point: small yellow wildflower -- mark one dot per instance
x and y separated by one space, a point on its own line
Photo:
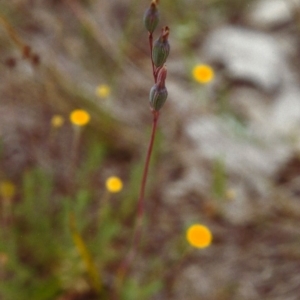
57 121
79 117
3 259
199 236
203 73
114 184
103 90
7 189
230 194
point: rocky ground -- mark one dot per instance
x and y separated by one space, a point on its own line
230 150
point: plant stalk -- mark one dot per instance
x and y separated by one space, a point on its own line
140 208
125 265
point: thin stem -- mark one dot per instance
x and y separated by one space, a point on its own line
140 208
12 33
144 179
123 269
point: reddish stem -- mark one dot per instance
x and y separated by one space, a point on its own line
144 179
123 269
140 208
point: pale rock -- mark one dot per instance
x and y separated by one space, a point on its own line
284 117
271 13
247 55
250 163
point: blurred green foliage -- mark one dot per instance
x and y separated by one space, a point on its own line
57 243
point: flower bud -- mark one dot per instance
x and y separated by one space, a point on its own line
161 48
158 93
151 17
157 97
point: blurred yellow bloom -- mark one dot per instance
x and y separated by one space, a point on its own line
7 189
199 236
3 259
114 184
203 73
103 90
57 121
79 117
230 194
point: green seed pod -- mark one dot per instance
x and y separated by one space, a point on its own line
161 48
158 93
151 17
157 97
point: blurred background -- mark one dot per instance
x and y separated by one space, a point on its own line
226 155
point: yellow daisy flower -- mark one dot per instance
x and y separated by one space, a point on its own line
3 259
79 117
230 194
114 184
57 121
103 91
7 189
203 73
199 236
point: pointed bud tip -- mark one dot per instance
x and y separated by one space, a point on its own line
153 5
165 33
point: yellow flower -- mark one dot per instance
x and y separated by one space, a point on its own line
114 184
203 73
230 194
3 259
103 90
79 117
7 189
57 121
199 236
